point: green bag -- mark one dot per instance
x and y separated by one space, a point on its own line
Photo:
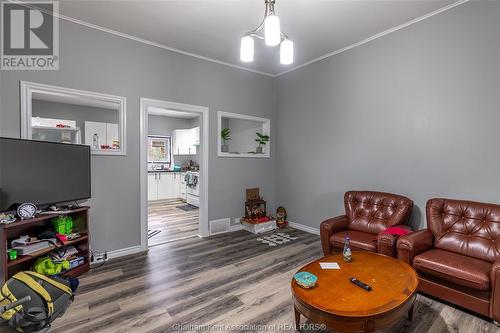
63 225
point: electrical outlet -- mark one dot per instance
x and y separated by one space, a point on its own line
99 257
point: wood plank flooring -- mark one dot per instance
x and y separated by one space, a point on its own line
229 279
173 222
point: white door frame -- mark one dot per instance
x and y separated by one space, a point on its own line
203 182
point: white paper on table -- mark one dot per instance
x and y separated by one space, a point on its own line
329 265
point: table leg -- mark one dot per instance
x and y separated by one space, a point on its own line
410 313
297 319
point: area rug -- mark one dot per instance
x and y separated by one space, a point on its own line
154 232
276 239
186 207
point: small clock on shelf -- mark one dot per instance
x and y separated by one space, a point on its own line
26 211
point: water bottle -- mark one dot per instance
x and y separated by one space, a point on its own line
95 141
347 250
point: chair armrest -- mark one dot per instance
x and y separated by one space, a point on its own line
328 228
495 291
386 243
411 245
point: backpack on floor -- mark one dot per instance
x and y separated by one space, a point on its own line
50 297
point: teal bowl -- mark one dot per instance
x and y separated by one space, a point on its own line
305 279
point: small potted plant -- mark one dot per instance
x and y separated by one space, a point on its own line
262 139
225 134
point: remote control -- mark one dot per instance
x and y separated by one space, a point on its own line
360 284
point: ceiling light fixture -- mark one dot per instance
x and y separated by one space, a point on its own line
273 36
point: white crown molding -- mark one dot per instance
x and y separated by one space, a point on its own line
141 40
381 34
330 54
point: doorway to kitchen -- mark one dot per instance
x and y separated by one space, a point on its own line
174 171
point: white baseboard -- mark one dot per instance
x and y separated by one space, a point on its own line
236 227
124 252
137 249
303 227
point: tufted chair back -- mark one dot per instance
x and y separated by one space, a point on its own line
466 227
373 212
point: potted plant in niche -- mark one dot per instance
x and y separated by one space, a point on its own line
262 139
225 135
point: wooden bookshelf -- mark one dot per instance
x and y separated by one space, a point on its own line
21 259
33 227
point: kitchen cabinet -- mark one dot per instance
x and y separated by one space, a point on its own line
152 186
195 134
112 134
105 134
177 185
182 142
183 187
45 129
164 185
186 141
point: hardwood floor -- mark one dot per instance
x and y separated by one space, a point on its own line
230 279
173 222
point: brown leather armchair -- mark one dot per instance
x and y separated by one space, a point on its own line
367 213
458 256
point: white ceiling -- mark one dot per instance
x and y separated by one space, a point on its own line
213 28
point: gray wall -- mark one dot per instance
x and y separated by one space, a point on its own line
415 112
243 135
164 125
97 61
79 113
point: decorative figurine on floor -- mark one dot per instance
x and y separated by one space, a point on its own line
255 207
256 219
281 217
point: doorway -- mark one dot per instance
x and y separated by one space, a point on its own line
174 171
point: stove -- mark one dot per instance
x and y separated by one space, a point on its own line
193 188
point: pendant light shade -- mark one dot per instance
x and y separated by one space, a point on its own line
246 49
286 52
272 31
268 30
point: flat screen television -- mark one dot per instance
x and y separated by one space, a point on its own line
42 173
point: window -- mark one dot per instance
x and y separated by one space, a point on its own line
160 149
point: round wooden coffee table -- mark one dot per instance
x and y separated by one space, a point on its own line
342 306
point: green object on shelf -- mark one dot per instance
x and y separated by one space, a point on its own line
44 265
12 254
63 225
